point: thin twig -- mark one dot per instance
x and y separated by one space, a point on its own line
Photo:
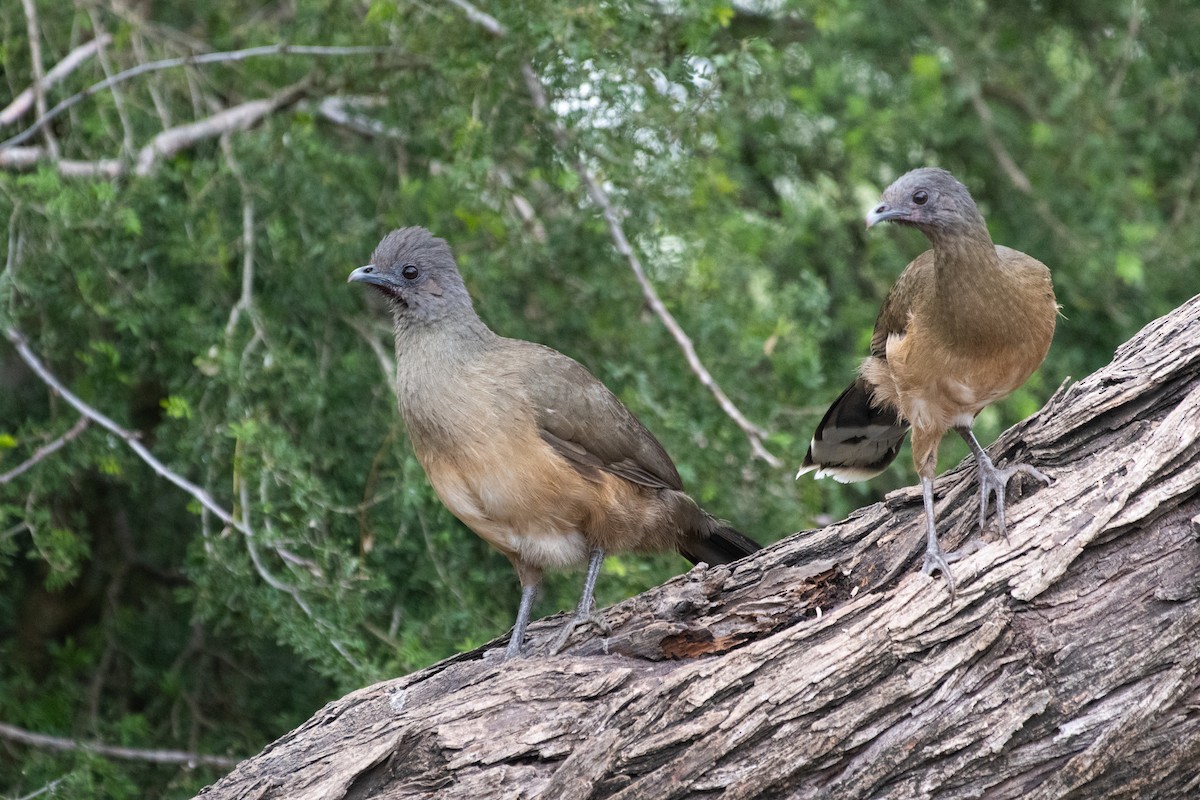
117 96
988 123
25 100
984 112
387 360
46 450
481 18
204 498
181 61
276 583
1009 165
35 55
616 231
1128 54
15 734
49 787
160 105
246 301
129 437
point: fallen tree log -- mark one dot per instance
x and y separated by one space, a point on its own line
1068 665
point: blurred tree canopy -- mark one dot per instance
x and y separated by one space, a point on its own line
177 243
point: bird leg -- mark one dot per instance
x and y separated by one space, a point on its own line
935 557
993 481
584 612
529 593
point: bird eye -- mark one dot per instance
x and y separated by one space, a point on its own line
410 272
920 197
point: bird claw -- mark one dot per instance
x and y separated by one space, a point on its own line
572 625
993 482
939 560
513 650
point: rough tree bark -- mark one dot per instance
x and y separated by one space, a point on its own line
828 666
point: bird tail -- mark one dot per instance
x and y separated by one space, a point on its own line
717 542
856 439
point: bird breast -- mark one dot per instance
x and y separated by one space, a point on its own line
938 385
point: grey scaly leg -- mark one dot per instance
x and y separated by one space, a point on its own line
935 557
528 595
587 602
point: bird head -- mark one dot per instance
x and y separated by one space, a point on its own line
929 199
415 270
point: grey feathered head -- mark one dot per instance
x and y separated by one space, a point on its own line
930 199
415 270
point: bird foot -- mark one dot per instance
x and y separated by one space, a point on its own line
570 627
993 482
513 650
938 559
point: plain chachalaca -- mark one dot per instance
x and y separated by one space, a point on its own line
964 325
524 445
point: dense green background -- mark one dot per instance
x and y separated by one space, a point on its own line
743 141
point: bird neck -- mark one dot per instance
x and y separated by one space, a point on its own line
435 362
966 242
972 297
453 338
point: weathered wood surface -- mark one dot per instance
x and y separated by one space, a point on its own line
1067 666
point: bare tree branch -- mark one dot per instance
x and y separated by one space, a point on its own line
164 145
15 734
170 63
49 787
988 122
23 158
25 100
828 666
129 437
984 112
246 300
202 496
338 111
481 18
612 218
1010 168
237 118
35 55
46 450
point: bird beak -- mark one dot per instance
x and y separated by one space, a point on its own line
367 274
882 213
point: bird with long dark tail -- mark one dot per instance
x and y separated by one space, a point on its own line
965 324
524 445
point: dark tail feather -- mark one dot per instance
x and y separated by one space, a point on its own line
856 439
718 544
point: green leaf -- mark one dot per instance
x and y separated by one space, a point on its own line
1129 268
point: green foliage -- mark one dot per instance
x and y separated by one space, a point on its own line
743 148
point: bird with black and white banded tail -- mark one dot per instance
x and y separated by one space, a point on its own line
965 324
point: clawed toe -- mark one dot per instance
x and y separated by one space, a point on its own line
993 483
571 626
939 560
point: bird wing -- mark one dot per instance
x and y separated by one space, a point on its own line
893 316
588 426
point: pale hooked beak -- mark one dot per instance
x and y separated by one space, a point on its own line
368 274
882 213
